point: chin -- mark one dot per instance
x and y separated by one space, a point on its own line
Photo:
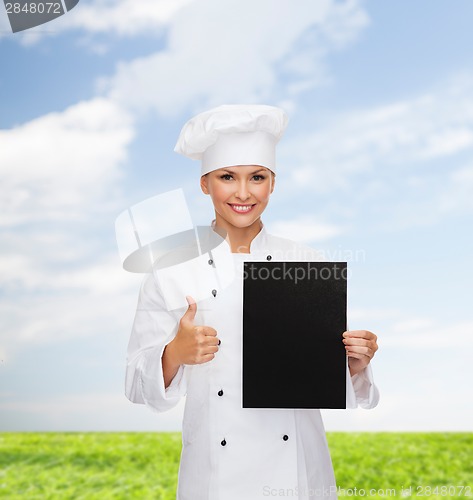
242 224
239 221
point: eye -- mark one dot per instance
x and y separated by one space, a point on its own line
259 177
226 177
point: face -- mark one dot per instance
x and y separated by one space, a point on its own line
239 194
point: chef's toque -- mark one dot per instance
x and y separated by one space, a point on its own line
233 134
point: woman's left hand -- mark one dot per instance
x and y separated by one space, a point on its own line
360 346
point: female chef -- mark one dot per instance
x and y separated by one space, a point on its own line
230 452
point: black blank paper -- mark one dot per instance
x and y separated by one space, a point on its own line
294 314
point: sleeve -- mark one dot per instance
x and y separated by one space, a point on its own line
153 328
361 390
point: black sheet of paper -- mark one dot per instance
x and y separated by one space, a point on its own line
294 314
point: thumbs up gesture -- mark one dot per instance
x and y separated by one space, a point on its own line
192 344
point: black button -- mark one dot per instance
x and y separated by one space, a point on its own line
219 341
268 257
223 443
211 261
220 392
285 437
214 292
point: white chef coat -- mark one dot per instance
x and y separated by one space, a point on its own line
230 452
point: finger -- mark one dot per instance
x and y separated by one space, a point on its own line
208 340
365 351
209 331
189 315
210 349
205 340
364 334
205 358
357 355
205 343
360 334
354 342
350 341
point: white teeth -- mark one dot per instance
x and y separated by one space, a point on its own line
242 208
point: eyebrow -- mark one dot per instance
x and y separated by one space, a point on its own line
252 173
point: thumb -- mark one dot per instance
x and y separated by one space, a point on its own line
191 310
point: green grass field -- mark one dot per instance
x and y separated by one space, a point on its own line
144 465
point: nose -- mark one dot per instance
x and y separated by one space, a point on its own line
243 193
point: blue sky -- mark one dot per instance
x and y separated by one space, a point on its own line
377 159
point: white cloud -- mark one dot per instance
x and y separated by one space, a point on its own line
363 315
58 175
52 166
424 334
413 332
463 175
234 51
401 165
122 17
99 276
217 29
441 194
51 304
455 196
397 136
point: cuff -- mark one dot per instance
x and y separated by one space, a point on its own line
155 395
361 390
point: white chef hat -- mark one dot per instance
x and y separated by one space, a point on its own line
233 134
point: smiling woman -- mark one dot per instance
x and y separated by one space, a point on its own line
230 452
239 195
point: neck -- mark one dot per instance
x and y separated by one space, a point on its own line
239 238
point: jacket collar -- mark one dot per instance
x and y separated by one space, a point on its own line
259 242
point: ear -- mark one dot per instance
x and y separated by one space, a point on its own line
273 181
203 184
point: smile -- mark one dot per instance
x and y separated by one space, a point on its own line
241 209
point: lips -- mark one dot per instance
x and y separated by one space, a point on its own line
241 209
